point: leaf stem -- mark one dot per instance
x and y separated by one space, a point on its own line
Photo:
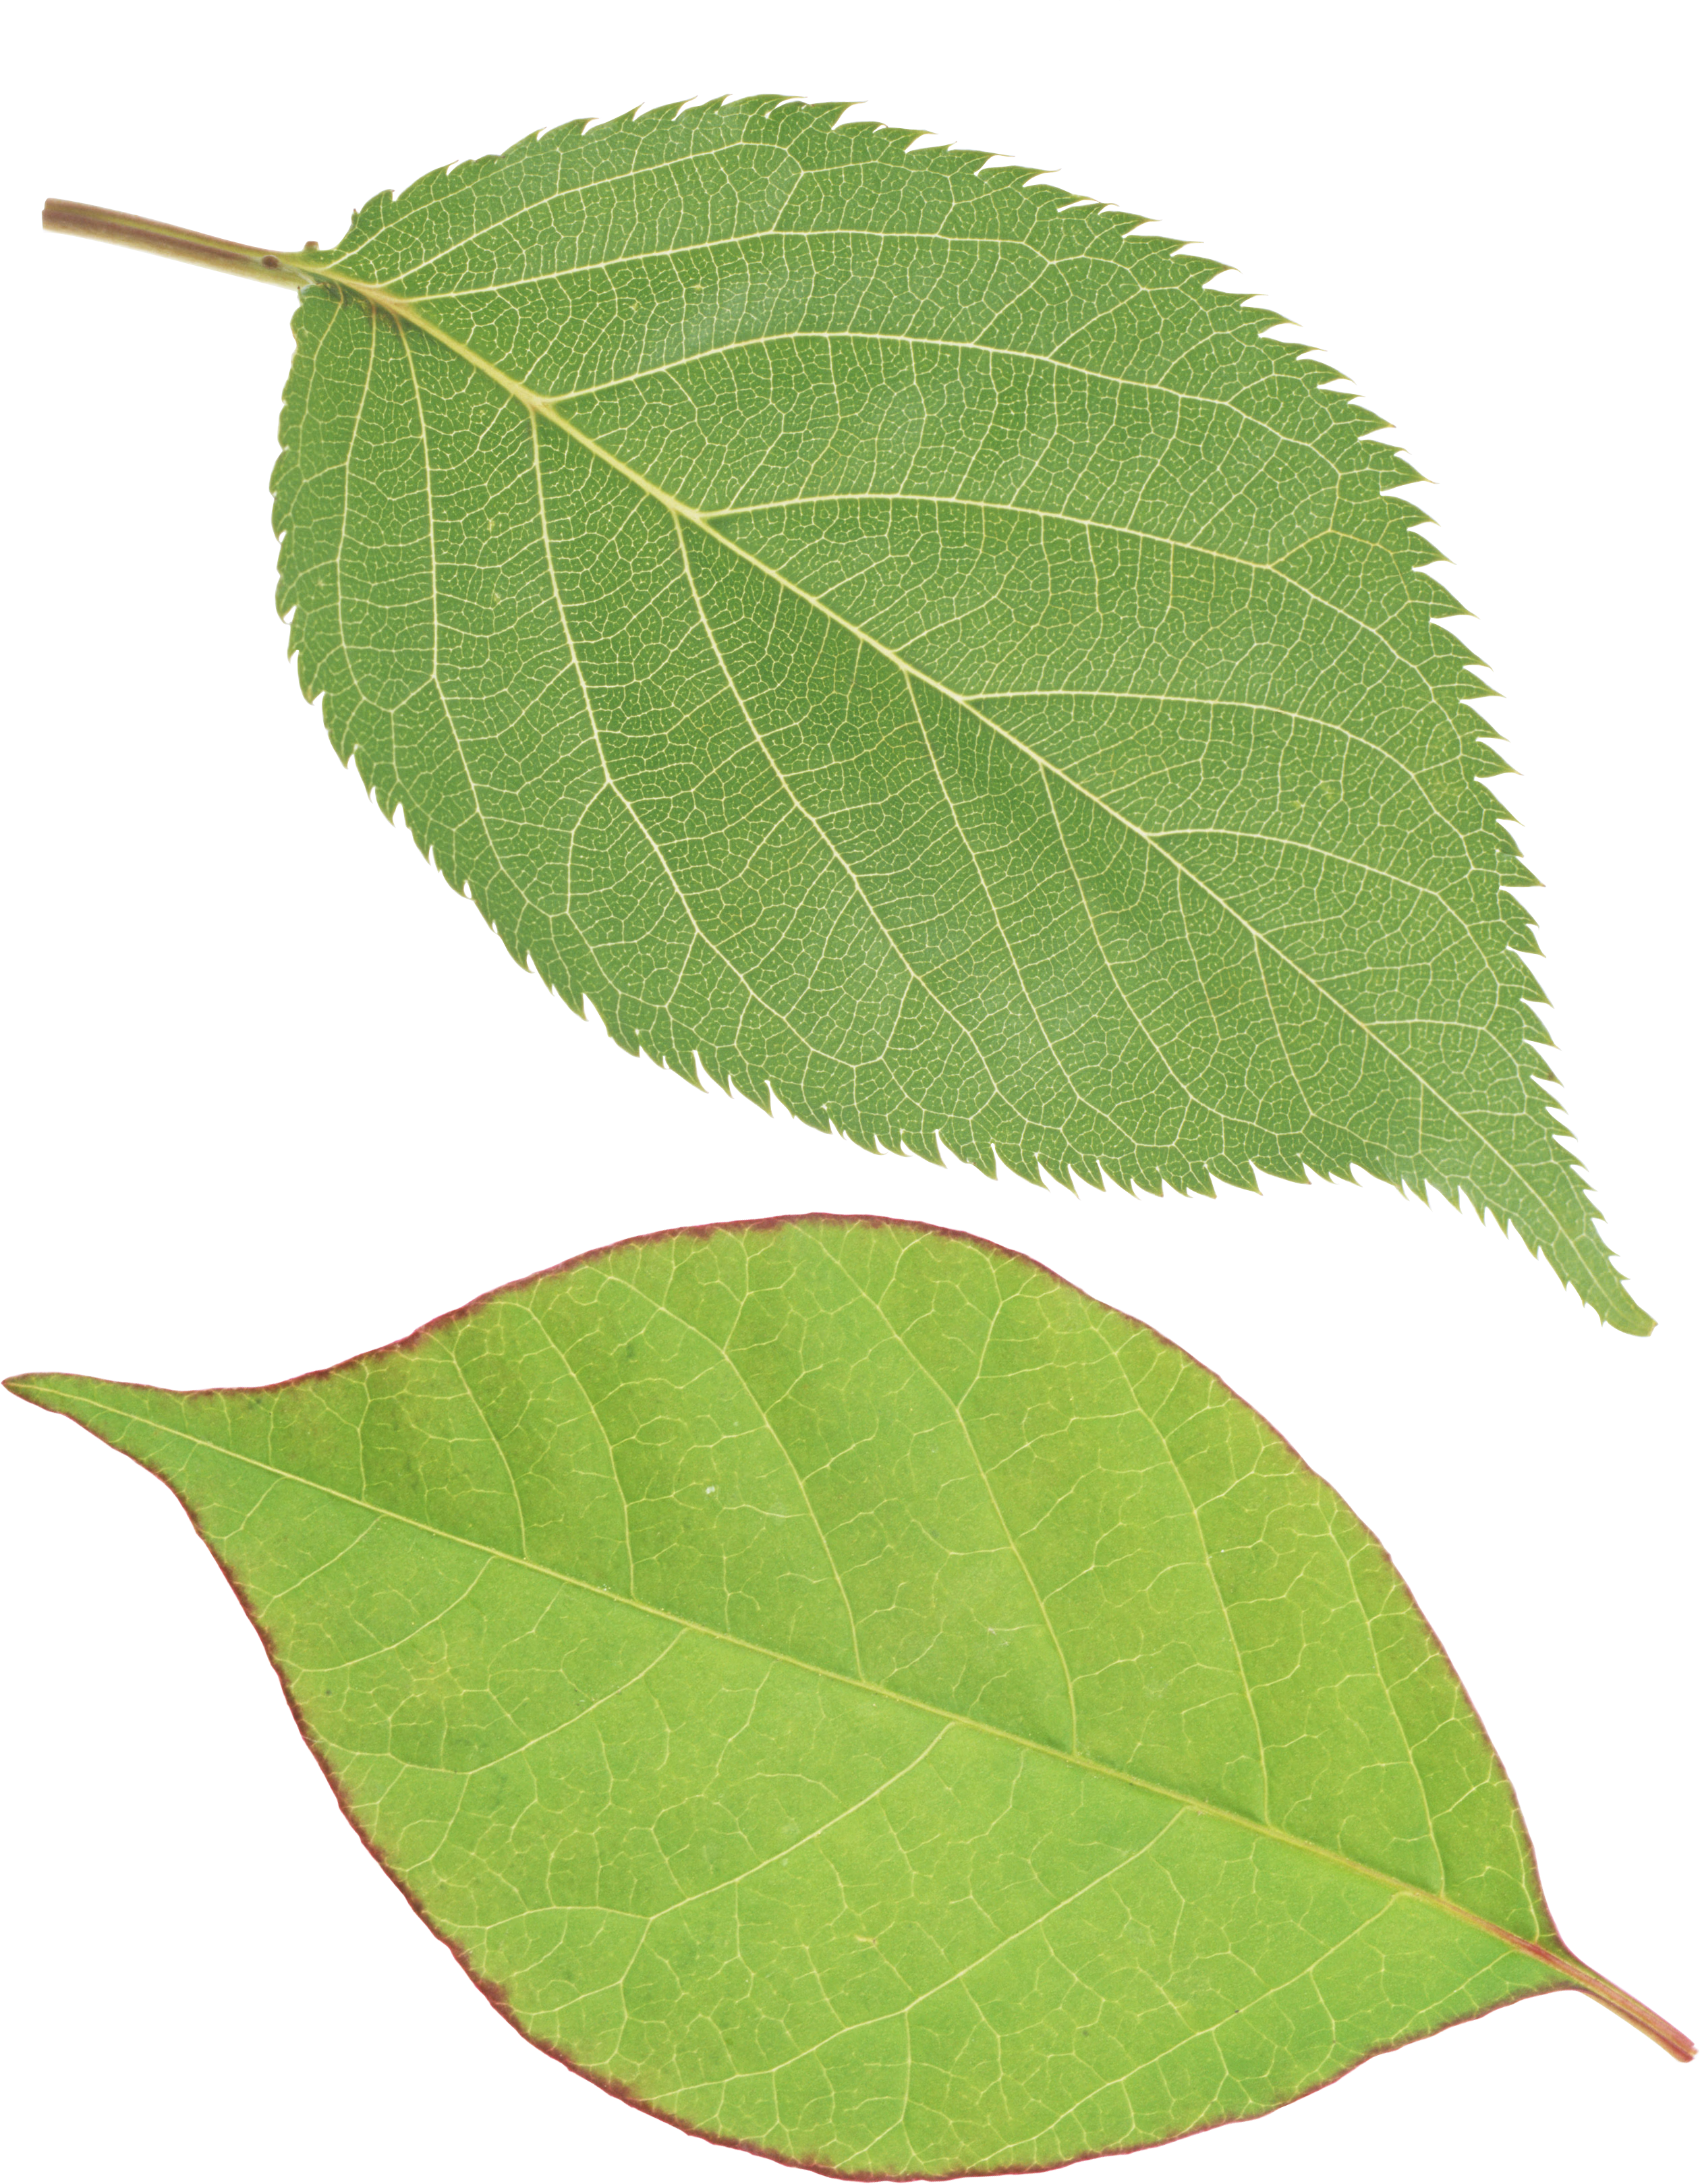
1658 2029
61 217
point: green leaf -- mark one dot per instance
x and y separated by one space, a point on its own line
894 639
864 1700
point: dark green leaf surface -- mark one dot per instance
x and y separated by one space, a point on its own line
865 1700
893 639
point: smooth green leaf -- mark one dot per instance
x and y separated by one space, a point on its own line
863 1699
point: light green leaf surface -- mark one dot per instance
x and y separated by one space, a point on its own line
892 639
865 1700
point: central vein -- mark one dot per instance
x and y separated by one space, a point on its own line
1570 1967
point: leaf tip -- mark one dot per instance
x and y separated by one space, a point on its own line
47 1391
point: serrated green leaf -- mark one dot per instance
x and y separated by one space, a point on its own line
893 638
867 1701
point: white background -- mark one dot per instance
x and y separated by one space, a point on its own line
275 1095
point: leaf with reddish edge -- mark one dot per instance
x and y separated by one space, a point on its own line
852 1694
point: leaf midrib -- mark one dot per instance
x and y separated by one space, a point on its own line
1578 1974
402 309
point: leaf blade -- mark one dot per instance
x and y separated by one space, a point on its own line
586 1709
1016 719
